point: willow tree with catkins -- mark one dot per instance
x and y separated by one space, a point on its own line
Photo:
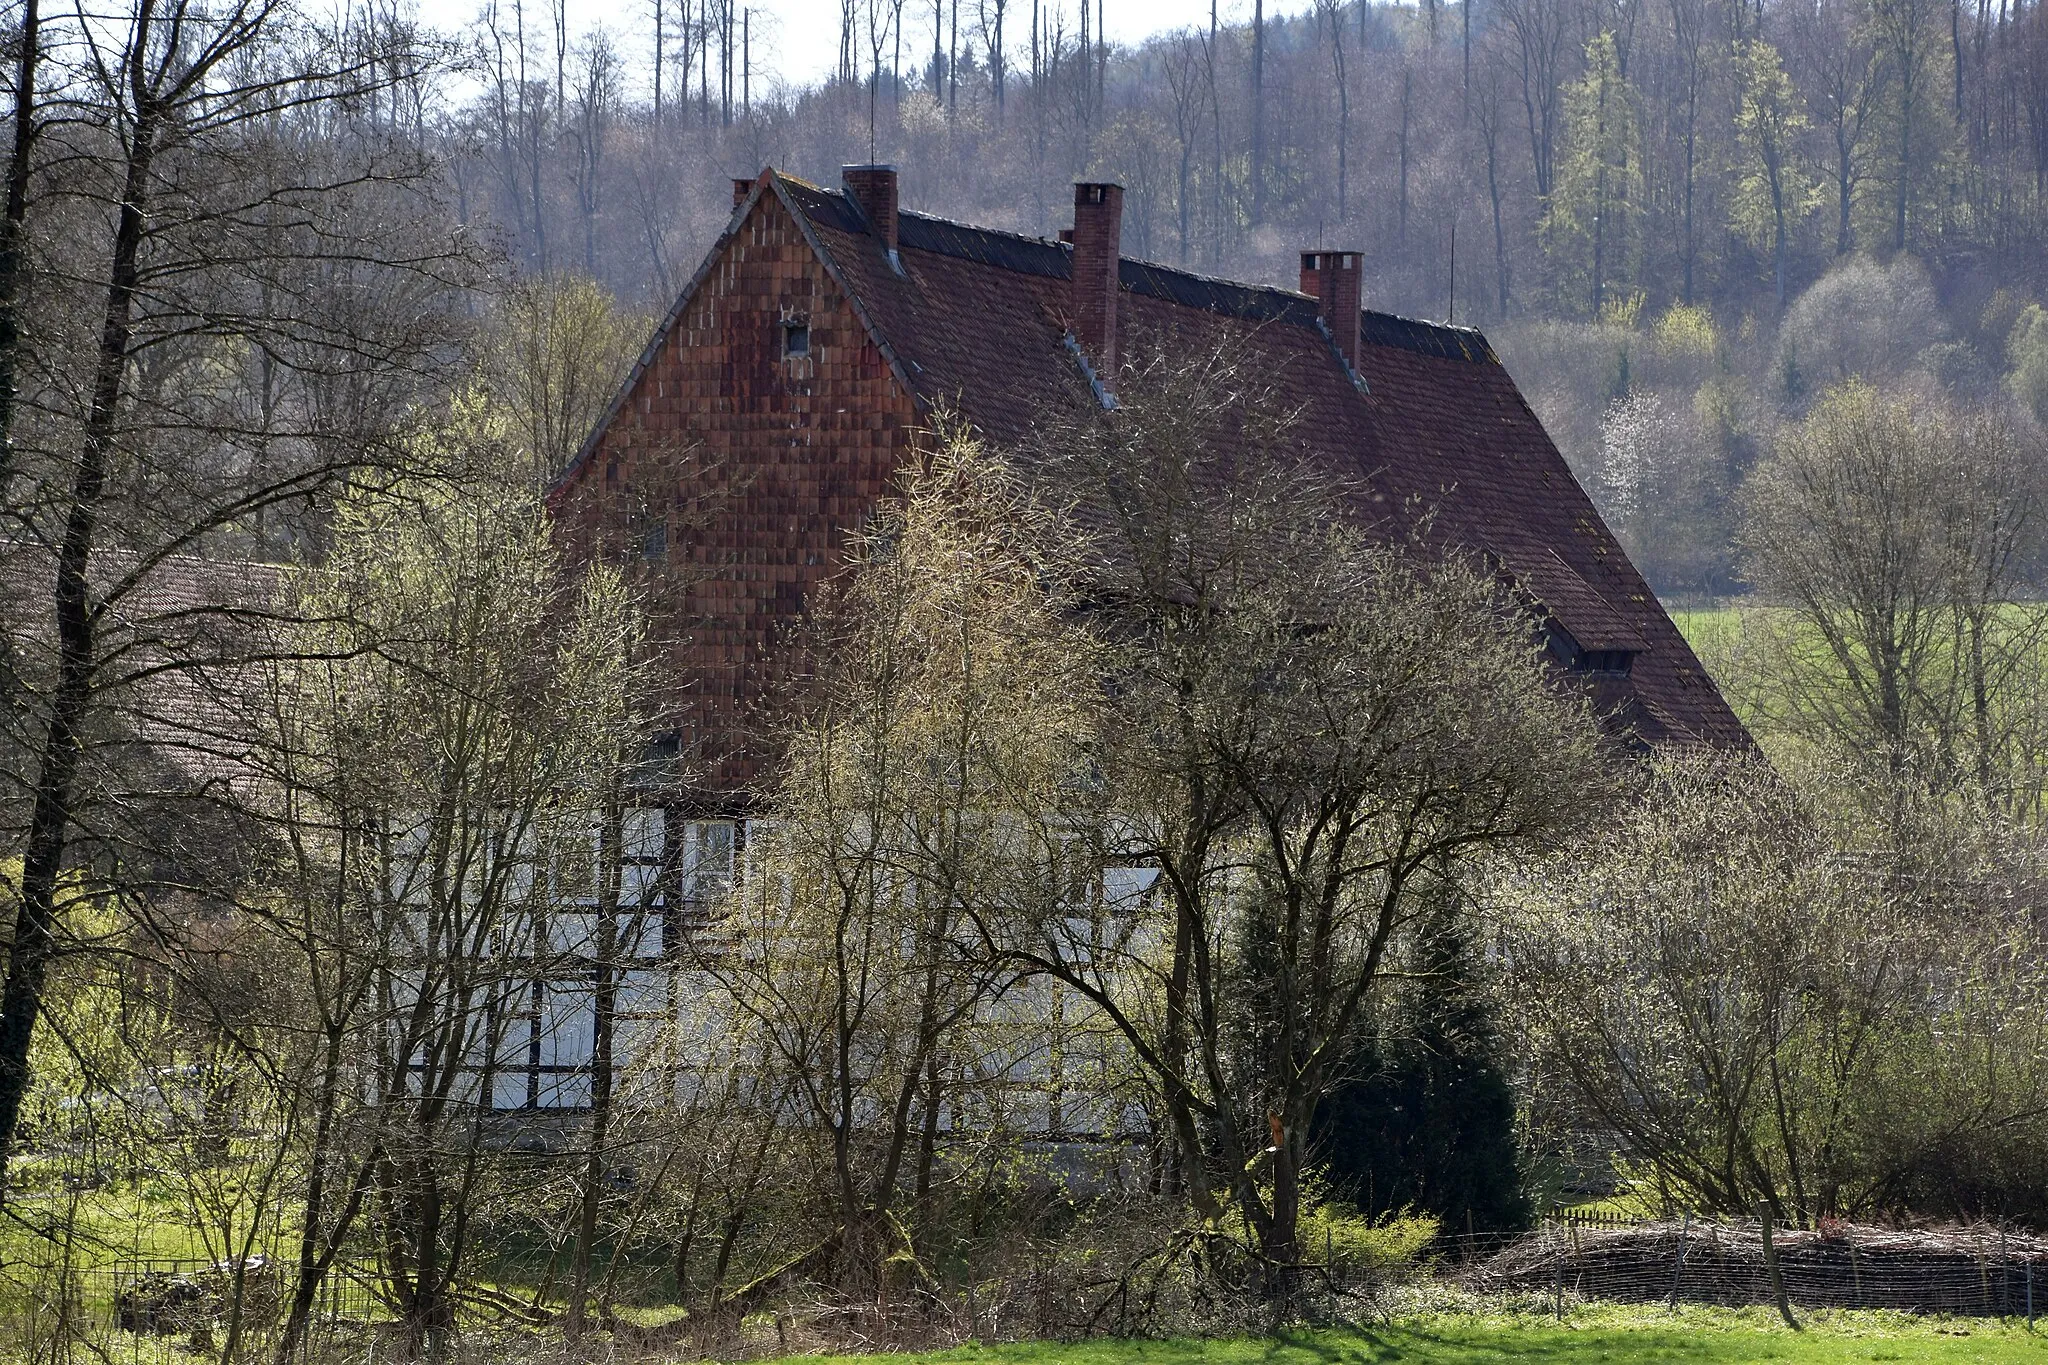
925 779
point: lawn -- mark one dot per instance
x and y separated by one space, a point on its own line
1587 1333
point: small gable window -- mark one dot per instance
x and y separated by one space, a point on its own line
796 338
1579 659
644 534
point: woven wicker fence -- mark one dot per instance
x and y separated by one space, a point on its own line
1980 1270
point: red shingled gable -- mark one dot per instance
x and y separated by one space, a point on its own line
975 320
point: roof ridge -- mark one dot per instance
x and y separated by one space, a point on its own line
1278 293
1034 239
942 219
1251 286
1466 328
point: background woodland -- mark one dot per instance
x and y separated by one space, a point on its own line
1678 220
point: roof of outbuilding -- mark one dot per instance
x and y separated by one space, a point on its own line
976 320
181 644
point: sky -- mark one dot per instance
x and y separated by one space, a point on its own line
798 40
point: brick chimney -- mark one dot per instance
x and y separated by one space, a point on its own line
1333 279
1098 235
873 190
742 186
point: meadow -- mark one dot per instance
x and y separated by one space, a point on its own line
1604 1333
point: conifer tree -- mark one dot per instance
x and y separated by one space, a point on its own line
1428 1121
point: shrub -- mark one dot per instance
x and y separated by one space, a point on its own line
1861 318
1686 330
2027 351
1359 1247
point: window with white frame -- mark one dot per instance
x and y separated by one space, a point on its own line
705 850
563 946
669 869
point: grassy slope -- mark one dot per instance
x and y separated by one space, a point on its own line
1587 1334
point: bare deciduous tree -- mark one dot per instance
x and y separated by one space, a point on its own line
245 312
1896 531
1311 736
554 357
1759 1017
954 705
446 743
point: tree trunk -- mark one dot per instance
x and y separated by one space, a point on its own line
1465 90
1778 230
1905 168
1215 145
1187 151
1407 86
1692 105
1842 191
1500 241
313 1210
1343 118
12 225
927 1149
1258 112
35 924
600 1073
1955 33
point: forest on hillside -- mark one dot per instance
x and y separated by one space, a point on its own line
1679 221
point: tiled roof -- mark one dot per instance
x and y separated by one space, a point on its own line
178 664
976 320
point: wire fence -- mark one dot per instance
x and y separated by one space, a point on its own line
163 1309
1975 1270
160 1311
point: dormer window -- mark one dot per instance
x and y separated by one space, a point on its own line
661 758
1612 661
796 338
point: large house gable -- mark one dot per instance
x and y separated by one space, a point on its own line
754 436
770 184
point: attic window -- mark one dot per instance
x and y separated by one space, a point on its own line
661 759
1616 661
796 338
654 541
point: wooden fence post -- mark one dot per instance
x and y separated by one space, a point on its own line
1684 1229
1558 1266
1330 1267
1855 1267
1763 1215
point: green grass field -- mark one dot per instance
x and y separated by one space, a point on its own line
1701 625
1597 1333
